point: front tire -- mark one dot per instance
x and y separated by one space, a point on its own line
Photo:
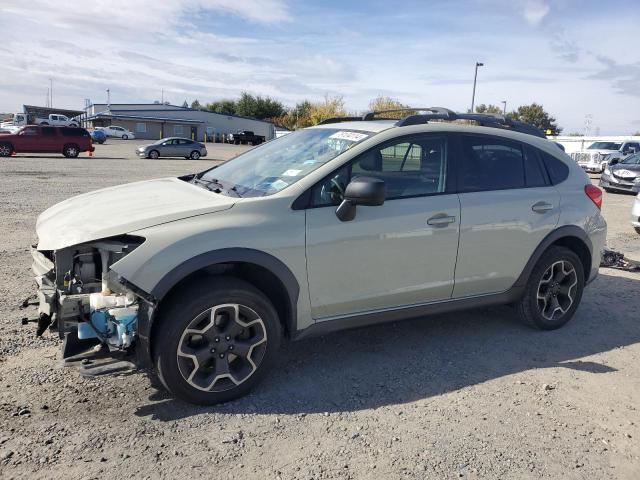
154 154
218 338
125 137
71 151
554 289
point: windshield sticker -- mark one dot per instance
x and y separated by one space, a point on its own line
309 162
279 184
291 173
350 136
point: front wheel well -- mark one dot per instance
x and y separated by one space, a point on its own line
260 277
579 248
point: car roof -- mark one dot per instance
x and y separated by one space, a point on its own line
379 126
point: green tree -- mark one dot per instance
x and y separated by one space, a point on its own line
536 115
195 104
482 108
185 104
259 107
225 106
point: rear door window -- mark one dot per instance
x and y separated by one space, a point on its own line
490 163
48 131
534 173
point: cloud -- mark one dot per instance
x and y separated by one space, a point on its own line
534 11
624 78
564 48
132 17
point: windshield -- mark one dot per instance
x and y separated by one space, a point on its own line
604 146
632 160
279 163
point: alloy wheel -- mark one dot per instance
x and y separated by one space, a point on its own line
222 347
5 150
556 290
195 155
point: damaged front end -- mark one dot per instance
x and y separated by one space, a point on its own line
95 311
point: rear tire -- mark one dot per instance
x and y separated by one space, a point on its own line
71 151
195 155
553 291
637 229
207 361
5 149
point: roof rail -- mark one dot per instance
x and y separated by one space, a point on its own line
494 120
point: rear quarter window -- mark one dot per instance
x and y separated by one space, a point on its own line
74 132
558 171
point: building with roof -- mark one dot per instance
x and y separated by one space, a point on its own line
154 121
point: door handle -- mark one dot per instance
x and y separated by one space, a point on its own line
542 207
441 220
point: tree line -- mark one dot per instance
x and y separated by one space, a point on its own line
307 113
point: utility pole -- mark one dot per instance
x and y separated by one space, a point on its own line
51 92
504 107
108 99
475 78
162 96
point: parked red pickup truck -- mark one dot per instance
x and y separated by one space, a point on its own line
69 141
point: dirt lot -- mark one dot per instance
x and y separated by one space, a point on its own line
471 395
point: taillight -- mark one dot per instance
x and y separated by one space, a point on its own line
595 194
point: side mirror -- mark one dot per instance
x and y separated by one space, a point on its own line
366 191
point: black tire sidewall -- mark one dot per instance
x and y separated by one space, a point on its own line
530 301
65 151
183 308
194 155
151 154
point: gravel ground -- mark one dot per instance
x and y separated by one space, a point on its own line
470 395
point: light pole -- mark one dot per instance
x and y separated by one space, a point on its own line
475 77
504 107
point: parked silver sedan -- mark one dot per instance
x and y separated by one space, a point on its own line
173 147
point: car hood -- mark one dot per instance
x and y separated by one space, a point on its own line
122 209
620 166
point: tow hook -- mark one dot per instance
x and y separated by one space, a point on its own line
43 322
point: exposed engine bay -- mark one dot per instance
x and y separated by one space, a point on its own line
81 297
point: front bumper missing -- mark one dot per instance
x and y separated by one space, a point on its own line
62 310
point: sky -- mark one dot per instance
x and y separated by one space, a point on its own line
577 58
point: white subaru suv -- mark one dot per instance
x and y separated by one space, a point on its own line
345 224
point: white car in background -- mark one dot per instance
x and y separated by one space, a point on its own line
600 154
119 132
635 214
